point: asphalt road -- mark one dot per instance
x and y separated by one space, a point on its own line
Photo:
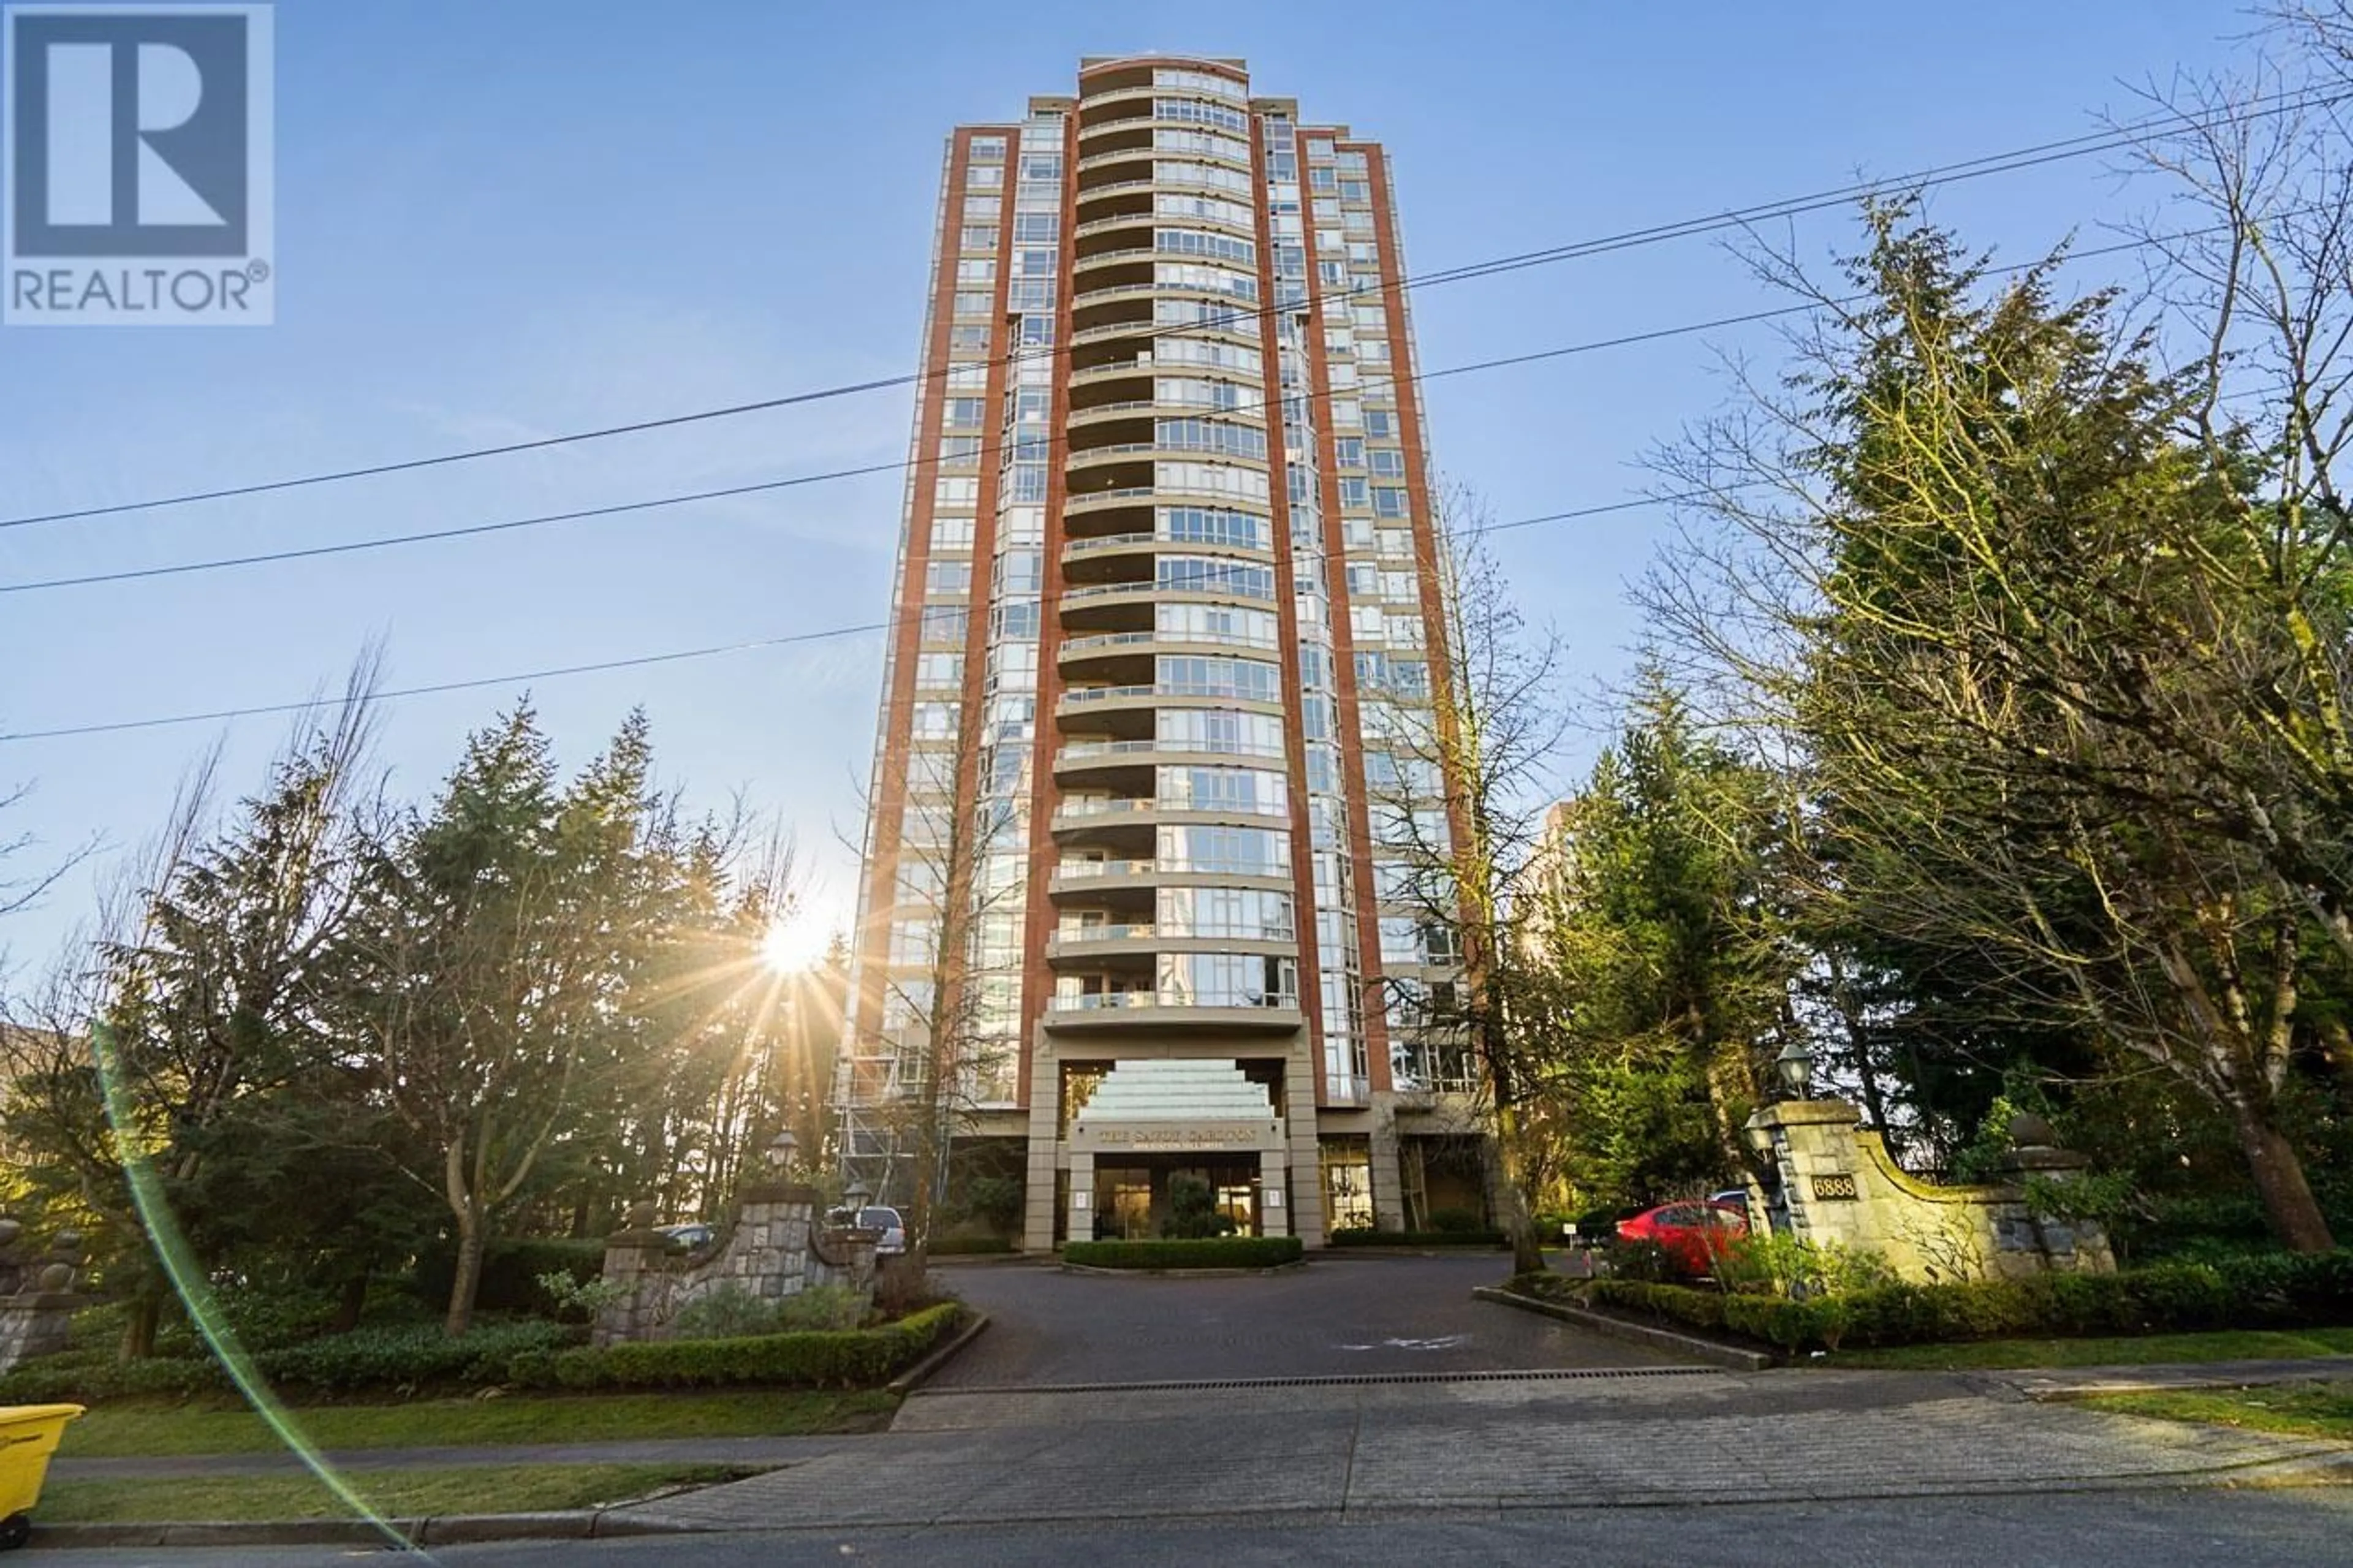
2291 1529
1339 1316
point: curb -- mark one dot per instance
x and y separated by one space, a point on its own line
445 1530
2043 1385
1295 1264
915 1376
1733 1358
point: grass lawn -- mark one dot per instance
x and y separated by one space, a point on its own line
2305 1410
505 1489
2244 1344
113 1431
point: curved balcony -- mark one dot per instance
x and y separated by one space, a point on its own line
1109 156
1095 596
1136 945
1141 327
1097 560
1110 499
1113 369
1131 253
1132 451
1082 756
1132 882
1145 1010
1124 96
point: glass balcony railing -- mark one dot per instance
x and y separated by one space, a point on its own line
1116 1001
1078 750
1085 933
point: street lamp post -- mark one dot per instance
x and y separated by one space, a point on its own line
1795 1068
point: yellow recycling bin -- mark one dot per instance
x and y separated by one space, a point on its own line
28 1435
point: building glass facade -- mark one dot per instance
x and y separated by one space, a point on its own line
1166 595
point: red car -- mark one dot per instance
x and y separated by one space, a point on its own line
1693 1234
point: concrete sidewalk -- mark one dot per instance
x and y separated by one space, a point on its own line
1423 1445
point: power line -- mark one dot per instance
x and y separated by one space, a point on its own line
616 508
677 655
262 710
1973 168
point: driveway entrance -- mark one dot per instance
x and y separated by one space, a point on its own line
1339 1315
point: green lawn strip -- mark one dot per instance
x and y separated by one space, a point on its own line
2293 1411
2137 1349
122 1430
503 1489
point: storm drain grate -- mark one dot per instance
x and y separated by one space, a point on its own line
1331 1380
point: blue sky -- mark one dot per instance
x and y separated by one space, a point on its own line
498 221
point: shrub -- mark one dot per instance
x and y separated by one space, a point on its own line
901 1288
1796 1268
1364 1236
995 1201
576 1300
728 1312
409 1357
1215 1252
1456 1220
850 1358
731 1312
1644 1262
1193 1210
2175 1298
366 1359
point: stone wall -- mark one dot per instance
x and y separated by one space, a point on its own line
1836 1183
774 1247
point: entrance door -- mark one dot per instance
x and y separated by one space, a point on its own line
1131 1205
1239 1203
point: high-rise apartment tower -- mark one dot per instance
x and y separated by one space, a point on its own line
1167 595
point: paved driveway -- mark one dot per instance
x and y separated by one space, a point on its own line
1335 1316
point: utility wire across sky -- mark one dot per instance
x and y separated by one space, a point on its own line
676 655
686 498
2115 139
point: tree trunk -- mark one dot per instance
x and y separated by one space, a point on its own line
2288 1203
352 1303
139 1327
1504 1181
469 1279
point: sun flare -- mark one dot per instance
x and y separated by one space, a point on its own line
796 942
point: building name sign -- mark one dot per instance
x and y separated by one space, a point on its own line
1178 1138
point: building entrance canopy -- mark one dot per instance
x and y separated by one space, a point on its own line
1171 1106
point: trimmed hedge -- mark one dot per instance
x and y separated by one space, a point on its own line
524 1354
848 1358
1213 1252
410 1356
1418 1238
2263 1290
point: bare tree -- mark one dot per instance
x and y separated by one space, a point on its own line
939 1027
1460 805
